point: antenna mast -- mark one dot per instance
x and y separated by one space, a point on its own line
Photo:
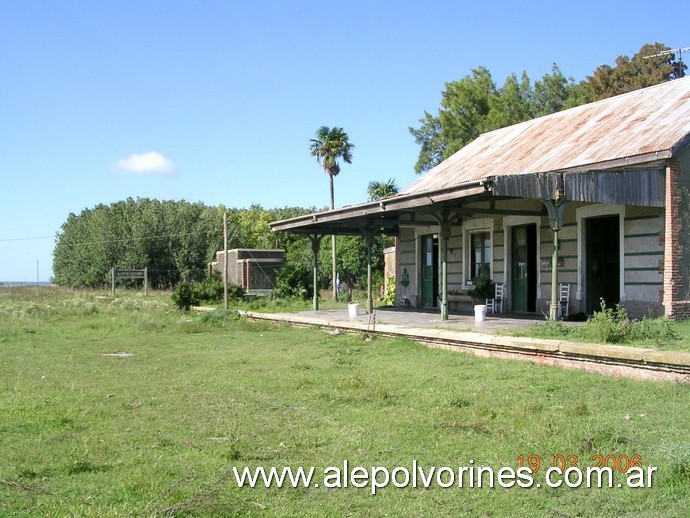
672 51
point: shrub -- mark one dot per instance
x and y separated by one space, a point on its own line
184 296
188 294
660 330
294 280
552 329
389 297
610 325
235 292
210 289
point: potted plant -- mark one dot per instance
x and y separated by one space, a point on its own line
483 289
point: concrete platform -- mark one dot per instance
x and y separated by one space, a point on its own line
431 319
463 333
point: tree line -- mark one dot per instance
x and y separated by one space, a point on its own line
176 240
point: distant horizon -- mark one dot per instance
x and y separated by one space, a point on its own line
25 283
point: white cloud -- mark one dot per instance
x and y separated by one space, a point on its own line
149 163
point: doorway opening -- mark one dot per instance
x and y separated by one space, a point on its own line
429 262
524 268
602 256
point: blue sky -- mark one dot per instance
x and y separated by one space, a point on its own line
216 101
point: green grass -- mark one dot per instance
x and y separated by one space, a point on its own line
272 305
659 333
157 433
294 304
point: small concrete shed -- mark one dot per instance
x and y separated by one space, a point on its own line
253 269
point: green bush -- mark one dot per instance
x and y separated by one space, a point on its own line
552 329
294 280
610 325
389 297
210 289
184 296
660 330
235 292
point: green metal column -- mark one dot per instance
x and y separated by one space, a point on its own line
444 271
315 246
553 309
369 240
335 273
370 289
555 207
444 219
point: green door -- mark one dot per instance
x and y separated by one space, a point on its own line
429 271
524 268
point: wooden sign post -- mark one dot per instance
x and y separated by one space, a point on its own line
131 274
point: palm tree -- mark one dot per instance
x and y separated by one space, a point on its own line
330 145
380 190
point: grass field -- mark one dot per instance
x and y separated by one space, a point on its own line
158 433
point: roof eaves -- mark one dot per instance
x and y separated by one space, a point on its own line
627 161
681 145
380 207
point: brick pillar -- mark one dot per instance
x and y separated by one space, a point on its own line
673 250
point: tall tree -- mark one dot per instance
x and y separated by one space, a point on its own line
463 116
329 146
652 65
554 93
379 190
513 104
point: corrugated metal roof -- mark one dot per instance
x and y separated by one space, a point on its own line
644 122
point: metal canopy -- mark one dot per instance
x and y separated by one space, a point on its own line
642 187
383 216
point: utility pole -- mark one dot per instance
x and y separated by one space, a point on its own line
225 260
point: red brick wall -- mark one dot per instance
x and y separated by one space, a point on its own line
676 304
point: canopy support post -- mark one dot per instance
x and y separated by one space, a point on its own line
445 220
369 239
555 207
315 247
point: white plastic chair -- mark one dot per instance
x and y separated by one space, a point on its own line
563 301
496 304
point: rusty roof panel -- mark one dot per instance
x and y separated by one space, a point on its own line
644 122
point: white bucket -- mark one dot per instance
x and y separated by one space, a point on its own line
479 312
352 308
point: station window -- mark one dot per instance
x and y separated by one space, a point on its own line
480 254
